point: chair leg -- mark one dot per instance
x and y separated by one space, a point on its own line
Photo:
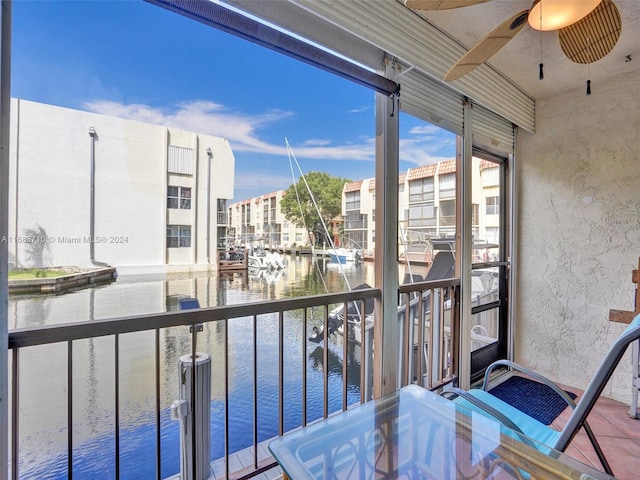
596 447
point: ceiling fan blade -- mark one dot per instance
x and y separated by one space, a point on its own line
594 36
440 4
489 45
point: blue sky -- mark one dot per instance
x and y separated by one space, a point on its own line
135 60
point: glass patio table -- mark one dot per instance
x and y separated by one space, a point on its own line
416 434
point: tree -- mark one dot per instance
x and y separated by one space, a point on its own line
298 206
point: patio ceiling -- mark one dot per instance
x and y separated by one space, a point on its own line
364 30
519 59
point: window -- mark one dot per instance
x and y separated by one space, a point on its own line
356 238
222 211
421 190
179 197
273 209
354 220
180 160
492 234
246 218
490 176
422 214
178 236
352 200
493 205
447 213
448 182
421 209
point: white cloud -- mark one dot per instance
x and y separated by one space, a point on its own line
202 116
241 129
359 110
425 130
316 142
425 151
424 145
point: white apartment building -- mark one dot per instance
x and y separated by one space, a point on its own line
90 189
258 221
427 209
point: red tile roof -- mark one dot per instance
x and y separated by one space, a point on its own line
353 186
485 164
423 171
448 166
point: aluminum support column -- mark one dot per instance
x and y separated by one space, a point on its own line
464 247
512 259
5 101
386 327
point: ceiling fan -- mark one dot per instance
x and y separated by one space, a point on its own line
587 29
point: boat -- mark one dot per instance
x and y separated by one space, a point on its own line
484 285
336 316
261 259
344 255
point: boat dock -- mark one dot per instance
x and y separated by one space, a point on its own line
230 261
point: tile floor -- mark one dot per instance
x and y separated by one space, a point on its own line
617 433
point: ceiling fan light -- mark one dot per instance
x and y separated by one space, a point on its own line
549 15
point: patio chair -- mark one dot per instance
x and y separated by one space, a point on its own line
481 400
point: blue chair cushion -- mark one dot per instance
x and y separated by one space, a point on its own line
531 427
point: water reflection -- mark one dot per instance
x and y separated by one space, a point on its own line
43 379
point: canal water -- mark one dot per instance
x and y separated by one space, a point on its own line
43 383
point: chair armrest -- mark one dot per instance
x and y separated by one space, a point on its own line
502 418
536 376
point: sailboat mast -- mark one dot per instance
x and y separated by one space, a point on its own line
313 200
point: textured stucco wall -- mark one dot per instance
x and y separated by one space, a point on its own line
579 231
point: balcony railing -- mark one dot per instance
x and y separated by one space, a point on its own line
427 326
429 315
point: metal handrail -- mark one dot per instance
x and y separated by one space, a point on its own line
428 285
28 337
68 333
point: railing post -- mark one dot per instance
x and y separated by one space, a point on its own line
437 322
635 387
183 410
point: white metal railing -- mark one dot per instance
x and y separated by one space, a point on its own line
71 336
429 316
439 304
